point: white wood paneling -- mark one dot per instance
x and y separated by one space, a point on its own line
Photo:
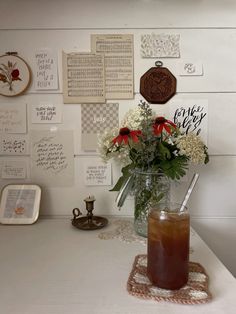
207 31
213 47
220 235
113 13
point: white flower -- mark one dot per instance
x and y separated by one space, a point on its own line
104 143
192 146
133 119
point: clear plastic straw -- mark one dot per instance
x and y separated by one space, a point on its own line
189 191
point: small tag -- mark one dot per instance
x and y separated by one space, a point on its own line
190 68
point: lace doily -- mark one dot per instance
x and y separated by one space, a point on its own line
124 231
194 292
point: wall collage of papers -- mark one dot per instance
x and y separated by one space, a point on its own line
96 81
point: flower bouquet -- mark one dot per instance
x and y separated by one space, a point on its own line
147 144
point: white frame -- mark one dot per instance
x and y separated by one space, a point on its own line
32 205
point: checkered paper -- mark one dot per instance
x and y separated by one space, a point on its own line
94 119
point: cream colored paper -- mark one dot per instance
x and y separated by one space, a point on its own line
83 78
13 118
119 70
52 157
13 169
13 144
94 119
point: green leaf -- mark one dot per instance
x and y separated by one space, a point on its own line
125 175
175 168
164 151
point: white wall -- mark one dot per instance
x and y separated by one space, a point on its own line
208 33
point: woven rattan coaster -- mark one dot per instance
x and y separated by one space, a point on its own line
194 292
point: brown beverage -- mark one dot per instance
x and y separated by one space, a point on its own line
168 247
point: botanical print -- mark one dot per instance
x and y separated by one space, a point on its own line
9 73
160 46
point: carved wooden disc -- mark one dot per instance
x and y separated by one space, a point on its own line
158 85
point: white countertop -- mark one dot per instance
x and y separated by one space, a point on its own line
53 268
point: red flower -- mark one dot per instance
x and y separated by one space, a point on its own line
125 134
162 123
15 73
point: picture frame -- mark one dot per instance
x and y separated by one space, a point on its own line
20 203
15 75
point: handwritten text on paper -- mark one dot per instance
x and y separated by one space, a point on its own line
46 70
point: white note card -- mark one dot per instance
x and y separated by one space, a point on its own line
97 173
52 157
13 169
13 144
190 68
191 116
46 74
46 112
13 118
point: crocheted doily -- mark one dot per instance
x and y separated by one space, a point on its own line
123 229
194 292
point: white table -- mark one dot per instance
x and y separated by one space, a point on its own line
53 268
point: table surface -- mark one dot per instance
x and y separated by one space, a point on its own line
53 268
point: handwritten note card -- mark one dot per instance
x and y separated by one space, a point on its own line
97 173
190 68
52 157
46 70
13 144
13 118
13 169
191 116
46 112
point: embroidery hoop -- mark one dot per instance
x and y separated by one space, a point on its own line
15 75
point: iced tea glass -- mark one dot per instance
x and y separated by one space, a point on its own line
168 246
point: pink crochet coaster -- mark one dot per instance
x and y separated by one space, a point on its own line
194 292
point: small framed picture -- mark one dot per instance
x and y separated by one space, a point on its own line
15 75
20 204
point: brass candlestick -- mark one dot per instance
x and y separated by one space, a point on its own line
88 222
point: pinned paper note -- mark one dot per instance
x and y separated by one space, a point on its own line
46 112
13 169
97 173
94 119
190 68
53 157
13 118
13 144
46 77
191 116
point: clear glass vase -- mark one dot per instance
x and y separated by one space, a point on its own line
149 188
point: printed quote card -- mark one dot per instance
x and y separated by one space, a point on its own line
97 173
13 169
46 76
191 68
46 112
53 157
13 144
94 119
190 116
13 118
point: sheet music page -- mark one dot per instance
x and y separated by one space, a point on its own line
119 70
83 78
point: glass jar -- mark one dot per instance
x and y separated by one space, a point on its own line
168 246
149 188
